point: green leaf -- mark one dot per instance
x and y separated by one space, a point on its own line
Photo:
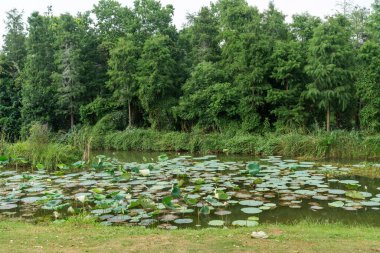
40 166
163 158
355 195
167 201
221 195
176 191
205 210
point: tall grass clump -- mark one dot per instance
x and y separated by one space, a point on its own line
41 148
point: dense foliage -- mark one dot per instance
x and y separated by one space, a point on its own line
232 68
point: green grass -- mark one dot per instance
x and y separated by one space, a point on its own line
79 236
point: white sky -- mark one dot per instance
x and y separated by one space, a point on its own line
288 7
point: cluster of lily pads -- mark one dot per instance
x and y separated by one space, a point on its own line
183 191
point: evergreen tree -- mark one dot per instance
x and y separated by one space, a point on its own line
38 91
157 88
66 77
12 61
330 62
122 72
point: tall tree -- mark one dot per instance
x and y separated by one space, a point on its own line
66 77
243 57
285 98
123 72
207 102
367 86
204 37
303 26
152 18
11 64
157 88
330 62
38 91
374 22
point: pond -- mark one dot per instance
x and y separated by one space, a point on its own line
149 189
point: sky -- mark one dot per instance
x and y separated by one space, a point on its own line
182 7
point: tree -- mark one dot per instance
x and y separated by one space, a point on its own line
358 19
243 57
67 59
374 22
152 19
286 100
113 21
303 26
204 37
330 62
122 72
367 86
157 88
207 101
12 61
38 91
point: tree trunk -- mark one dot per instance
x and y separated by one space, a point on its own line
357 116
71 118
328 118
129 114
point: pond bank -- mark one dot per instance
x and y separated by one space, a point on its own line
77 235
317 145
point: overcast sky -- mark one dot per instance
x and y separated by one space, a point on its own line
289 7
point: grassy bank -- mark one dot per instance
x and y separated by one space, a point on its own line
318 145
77 236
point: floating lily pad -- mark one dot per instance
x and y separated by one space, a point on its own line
337 191
8 206
251 210
30 200
370 203
183 221
355 195
216 223
119 218
245 223
222 212
253 203
336 204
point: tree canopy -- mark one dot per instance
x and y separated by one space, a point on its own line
230 68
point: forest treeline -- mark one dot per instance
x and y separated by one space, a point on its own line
230 68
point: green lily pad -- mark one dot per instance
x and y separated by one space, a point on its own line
222 212
245 223
253 203
355 195
8 206
370 203
336 204
216 223
251 210
183 221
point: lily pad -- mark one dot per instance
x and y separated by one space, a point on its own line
245 223
216 223
183 221
8 206
336 204
370 203
251 210
253 203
